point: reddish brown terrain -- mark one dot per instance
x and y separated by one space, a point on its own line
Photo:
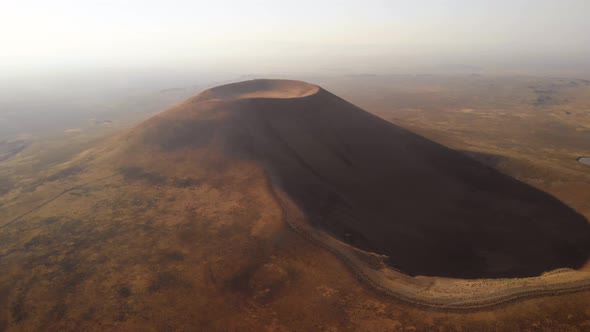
182 223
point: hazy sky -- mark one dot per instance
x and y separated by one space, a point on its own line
42 34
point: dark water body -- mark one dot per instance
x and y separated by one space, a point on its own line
584 160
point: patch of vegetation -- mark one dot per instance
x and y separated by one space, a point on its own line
124 291
38 241
240 281
59 311
133 173
173 256
546 96
180 134
164 280
67 172
186 182
5 186
18 308
50 220
543 100
74 279
89 314
68 264
10 149
31 187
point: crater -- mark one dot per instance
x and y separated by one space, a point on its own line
261 88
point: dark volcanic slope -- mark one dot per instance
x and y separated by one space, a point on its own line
432 210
